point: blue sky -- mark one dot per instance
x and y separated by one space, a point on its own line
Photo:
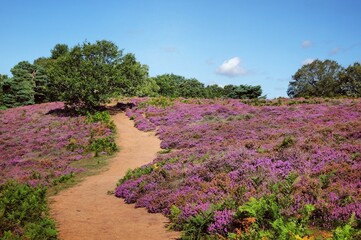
224 42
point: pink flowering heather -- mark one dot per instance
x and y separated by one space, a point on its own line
226 151
36 147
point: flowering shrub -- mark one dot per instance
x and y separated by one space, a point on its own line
37 147
302 153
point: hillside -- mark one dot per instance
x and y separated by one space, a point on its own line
237 170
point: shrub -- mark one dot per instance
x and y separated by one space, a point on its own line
103 145
24 212
103 117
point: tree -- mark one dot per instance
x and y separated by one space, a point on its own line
59 50
168 84
242 91
2 80
351 80
87 76
317 79
19 90
171 85
47 68
191 88
148 88
134 77
214 91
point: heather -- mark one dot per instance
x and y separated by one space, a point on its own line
37 146
282 169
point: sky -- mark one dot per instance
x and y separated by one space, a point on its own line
224 42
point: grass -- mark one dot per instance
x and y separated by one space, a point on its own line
92 166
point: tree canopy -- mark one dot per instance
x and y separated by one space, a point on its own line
326 79
351 80
172 85
87 75
19 90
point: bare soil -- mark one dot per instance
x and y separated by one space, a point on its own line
86 211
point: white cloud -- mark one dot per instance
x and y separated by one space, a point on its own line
232 68
306 44
308 61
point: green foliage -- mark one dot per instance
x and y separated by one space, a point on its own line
171 85
191 88
136 173
103 117
133 78
269 220
59 50
196 226
19 90
165 151
24 213
86 76
2 79
63 178
162 102
41 81
242 91
99 145
148 88
288 141
317 79
348 231
174 213
214 91
351 80
168 84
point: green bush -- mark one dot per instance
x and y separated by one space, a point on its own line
196 226
103 117
137 172
24 213
348 231
267 214
157 102
103 145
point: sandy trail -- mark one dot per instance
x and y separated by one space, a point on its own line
87 212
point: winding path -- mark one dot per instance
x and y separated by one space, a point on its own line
87 212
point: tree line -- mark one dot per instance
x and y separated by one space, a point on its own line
89 74
326 79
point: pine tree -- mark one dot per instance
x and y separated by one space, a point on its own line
19 90
2 79
40 79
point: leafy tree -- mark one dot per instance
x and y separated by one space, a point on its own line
242 91
317 79
148 88
250 92
171 85
351 80
213 91
191 88
87 76
59 50
47 68
167 84
133 77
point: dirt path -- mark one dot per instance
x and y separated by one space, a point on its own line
87 212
